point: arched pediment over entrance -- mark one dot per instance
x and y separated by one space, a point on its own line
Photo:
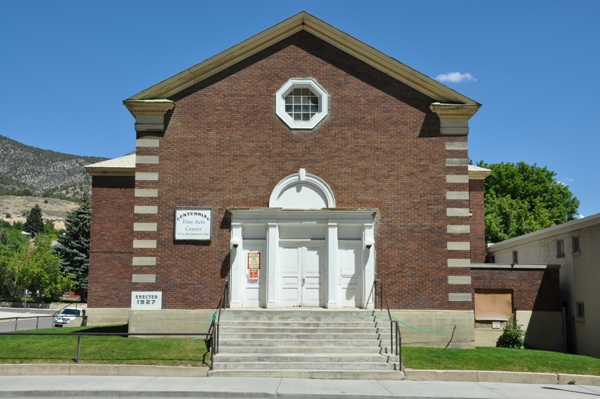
302 191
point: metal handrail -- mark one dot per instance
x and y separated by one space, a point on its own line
80 334
37 322
395 336
213 330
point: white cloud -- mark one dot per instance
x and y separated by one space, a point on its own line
581 216
456 77
569 179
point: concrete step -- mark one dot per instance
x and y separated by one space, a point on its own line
299 324
252 349
301 336
313 374
304 344
342 342
304 357
300 330
365 366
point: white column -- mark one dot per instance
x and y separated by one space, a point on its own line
369 262
333 273
271 264
236 270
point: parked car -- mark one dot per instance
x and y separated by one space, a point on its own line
66 315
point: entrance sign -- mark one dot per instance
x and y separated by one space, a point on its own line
146 300
253 260
193 223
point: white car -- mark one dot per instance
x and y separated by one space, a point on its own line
66 315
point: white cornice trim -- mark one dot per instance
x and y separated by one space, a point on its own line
320 29
515 266
478 173
123 166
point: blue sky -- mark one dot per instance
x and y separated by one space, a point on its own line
66 66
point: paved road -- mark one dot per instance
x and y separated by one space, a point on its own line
290 388
27 319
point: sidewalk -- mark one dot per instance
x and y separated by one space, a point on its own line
288 388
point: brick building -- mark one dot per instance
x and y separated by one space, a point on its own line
301 164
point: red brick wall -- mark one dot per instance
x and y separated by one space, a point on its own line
537 290
477 221
111 241
379 147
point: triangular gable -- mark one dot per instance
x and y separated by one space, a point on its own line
304 21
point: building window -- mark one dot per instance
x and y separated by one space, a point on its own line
560 248
301 103
515 257
580 311
576 247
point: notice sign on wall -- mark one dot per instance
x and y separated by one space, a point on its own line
253 260
146 300
253 265
193 223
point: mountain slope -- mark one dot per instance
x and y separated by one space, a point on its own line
27 170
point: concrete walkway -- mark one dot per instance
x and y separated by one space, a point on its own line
289 388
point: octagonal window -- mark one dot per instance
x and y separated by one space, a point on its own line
301 103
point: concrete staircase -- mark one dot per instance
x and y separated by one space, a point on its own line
295 343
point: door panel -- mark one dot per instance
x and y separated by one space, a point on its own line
290 263
301 267
349 256
254 289
313 256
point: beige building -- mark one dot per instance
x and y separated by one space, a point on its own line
575 246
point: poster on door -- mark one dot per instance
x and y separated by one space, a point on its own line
253 265
254 260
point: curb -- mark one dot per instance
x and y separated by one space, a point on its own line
102 370
123 370
501 376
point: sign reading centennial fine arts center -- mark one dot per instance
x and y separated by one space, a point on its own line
193 223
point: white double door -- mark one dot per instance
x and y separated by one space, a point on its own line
302 270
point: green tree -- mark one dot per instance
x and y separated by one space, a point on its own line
31 267
12 283
74 245
522 198
34 223
43 273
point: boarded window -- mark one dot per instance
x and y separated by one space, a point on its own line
493 305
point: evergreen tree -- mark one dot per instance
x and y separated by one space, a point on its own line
34 223
74 245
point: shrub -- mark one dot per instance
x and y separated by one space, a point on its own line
512 337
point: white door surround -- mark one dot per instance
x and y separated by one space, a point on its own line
311 253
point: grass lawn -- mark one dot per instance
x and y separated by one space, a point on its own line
499 359
103 349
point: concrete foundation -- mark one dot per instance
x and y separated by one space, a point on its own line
106 316
433 328
543 330
170 321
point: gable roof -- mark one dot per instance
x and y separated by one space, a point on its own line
304 22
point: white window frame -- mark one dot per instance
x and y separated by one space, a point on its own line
579 311
301 83
560 248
